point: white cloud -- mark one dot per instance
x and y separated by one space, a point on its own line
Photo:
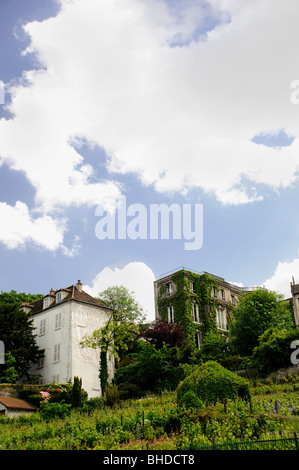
18 228
136 277
281 279
179 117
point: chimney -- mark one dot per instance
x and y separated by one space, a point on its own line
79 286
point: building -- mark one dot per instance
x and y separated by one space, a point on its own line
198 302
13 407
61 319
295 299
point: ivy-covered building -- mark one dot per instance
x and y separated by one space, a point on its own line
198 302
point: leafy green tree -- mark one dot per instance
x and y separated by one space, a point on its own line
17 334
121 328
9 375
17 298
256 312
215 347
151 368
274 350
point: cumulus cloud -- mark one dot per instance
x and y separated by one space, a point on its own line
168 95
282 277
137 277
18 227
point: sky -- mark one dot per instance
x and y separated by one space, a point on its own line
111 110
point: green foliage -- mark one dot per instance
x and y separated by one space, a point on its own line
161 425
256 312
9 374
273 351
183 299
77 395
189 400
123 303
214 348
111 395
16 298
212 382
120 330
17 333
51 411
152 369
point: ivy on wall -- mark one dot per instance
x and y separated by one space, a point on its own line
184 298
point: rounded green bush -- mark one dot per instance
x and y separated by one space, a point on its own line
211 382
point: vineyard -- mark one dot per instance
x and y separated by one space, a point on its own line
156 423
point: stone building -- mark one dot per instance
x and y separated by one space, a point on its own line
198 302
61 319
295 298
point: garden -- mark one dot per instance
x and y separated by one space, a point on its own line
186 418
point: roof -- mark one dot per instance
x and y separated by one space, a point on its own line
17 404
73 292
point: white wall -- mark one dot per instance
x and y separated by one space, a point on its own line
77 320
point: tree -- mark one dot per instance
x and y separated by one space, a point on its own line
16 332
256 312
122 301
274 350
121 328
162 332
151 368
17 298
76 395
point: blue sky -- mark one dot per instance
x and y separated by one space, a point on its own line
174 102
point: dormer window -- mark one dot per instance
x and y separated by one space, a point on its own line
46 302
58 297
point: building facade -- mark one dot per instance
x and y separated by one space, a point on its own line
62 319
295 299
198 302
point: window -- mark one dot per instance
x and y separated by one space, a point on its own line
58 297
193 287
40 363
169 288
170 314
55 378
56 352
215 293
46 302
197 339
195 313
233 300
221 318
42 327
222 294
58 321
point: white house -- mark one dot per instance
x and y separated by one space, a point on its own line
61 319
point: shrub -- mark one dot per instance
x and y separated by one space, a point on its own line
76 395
111 395
172 425
190 401
54 410
211 382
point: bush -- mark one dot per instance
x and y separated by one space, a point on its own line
111 395
172 425
212 382
190 401
54 410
